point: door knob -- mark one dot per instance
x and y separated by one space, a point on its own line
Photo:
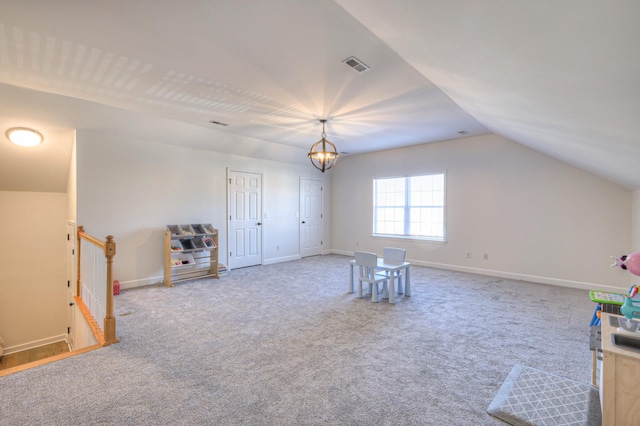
304 221
259 223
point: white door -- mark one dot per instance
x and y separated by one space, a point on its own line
310 217
245 219
71 281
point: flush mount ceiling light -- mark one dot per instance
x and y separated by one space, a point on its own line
24 136
323 154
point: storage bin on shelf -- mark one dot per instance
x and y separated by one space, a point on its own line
182 259
209 243
198 243
187 244
176 245
198 229
175 230
187 230
203 229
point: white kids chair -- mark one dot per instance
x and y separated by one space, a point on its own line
367 263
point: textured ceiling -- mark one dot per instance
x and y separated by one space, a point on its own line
560 78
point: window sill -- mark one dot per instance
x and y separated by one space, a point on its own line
409 237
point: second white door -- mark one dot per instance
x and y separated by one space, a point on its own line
310 217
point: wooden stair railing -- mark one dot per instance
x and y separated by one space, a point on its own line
106 335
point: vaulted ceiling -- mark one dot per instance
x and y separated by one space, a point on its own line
559 77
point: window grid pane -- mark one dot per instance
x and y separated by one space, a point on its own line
389 220
427 222
410 206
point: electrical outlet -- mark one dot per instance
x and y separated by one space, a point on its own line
486 256
357 243
468 255
277 247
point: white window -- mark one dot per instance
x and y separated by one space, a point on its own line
411 206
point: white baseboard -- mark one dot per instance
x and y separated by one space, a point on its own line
141 282
34 344
480 271
281 259
510 275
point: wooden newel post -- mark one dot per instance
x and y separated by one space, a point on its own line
109 319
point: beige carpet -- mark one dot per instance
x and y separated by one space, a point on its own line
285 344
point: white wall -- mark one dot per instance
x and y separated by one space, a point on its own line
635 224
72 187
33 282
132 189
537 218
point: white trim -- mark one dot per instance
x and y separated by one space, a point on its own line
480 271
510 275
409 237
141 282
282 259
342 252
34 344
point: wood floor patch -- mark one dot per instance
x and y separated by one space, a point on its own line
31 355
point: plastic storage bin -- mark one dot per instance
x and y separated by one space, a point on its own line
187 230
184 259
209 243
198 243
187 244
175 229
198 229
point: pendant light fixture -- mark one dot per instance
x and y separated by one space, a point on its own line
323 154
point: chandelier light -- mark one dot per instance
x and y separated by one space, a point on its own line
323 154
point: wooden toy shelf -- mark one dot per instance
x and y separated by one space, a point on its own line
190 252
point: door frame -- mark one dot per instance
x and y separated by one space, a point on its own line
228 218
71 280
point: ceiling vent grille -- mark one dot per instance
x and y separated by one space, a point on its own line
356 64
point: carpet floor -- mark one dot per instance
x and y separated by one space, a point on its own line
285 344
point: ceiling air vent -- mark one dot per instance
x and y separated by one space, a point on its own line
356 64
